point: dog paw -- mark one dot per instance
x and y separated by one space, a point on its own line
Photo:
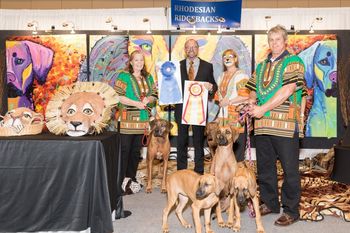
148 190
187 225
221 224
163 190
260 230
165 230
229 225
236 228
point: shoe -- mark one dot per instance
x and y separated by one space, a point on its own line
285 220
264 210
124 214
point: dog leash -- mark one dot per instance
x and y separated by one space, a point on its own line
245 117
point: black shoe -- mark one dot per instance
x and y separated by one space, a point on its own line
124 214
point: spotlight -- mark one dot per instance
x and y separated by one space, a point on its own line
35 25
114 27
315 20
178 28
67 23
267 19
147 20
192 21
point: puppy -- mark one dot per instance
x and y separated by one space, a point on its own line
202 190
224 165
243 189
210 131
158 148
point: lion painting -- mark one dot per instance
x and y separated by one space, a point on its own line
81 108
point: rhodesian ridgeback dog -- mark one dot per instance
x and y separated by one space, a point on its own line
224 166
158 148
203 190
243 189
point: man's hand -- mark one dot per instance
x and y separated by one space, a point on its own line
208 86
256 111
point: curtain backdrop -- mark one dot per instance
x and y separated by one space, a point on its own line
132 19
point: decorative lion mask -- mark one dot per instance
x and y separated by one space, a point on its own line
21 121
81 108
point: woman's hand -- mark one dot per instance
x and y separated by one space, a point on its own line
140 105
224 102
145 100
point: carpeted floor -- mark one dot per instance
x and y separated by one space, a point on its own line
320 195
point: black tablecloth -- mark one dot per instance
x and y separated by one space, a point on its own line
51 183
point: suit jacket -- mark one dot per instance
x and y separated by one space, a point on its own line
205 73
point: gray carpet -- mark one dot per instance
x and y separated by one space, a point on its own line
147 218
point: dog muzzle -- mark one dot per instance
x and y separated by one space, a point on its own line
222 141
200 194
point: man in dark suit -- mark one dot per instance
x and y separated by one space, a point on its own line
194 69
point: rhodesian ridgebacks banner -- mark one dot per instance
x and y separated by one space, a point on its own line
206 14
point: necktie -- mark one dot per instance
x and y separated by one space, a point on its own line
191 72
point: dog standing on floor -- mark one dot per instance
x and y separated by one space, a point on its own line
243 189
224 166
158 148
203 190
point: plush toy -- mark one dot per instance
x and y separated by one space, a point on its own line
80 108
21 121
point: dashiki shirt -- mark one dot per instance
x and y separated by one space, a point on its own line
231 87
269 77
132 119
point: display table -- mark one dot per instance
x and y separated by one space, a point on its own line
58 183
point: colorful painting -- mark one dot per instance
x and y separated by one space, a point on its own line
319 54
37 66
194 110
108 57
169 83
154 47
211 48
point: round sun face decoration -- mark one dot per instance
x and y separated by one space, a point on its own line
21 121
81 108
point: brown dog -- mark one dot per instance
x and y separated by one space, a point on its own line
224 165
243 189
158 148
210 131
203 190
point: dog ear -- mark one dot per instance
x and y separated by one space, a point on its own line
235 132
308 57
170 125
42 58
219 186
152 123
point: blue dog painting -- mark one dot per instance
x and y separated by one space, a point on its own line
321 76
169 78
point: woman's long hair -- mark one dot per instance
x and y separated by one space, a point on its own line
130 69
